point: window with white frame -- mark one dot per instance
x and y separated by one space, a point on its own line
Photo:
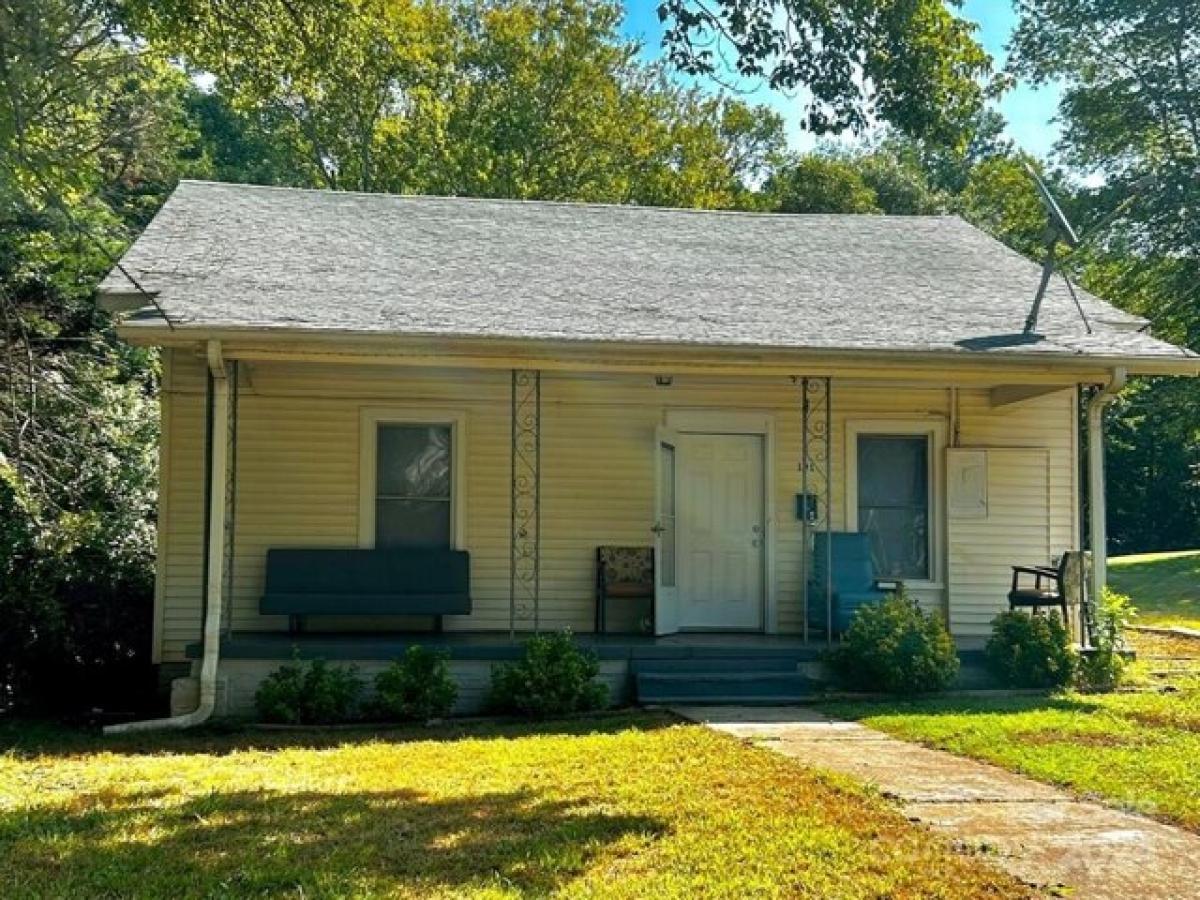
893 501
410 490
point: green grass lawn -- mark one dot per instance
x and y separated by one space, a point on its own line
1135 750
624 806
1165 587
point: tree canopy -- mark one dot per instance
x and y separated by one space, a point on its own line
910 64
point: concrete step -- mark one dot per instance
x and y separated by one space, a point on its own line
723 687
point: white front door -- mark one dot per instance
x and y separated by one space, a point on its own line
721 531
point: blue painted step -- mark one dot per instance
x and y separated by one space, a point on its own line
718 664
723 687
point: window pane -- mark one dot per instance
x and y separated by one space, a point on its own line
666 517
899 541
413 461
893 503
412 523
893 470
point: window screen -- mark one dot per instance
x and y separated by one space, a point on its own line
893 503
413 485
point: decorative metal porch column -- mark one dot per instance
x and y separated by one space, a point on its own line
816 489
524 574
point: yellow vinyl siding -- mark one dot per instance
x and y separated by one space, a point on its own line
1033 501
298 480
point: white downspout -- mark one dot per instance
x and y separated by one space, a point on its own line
219 455
1098 506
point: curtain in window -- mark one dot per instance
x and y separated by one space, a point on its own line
412 487
893 503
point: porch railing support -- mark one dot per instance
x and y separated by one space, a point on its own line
524 574
816 489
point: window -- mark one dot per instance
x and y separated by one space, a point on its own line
666 514
894 503
410 483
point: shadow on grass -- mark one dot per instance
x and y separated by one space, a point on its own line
33 737
258 843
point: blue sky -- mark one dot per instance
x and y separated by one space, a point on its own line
1029 111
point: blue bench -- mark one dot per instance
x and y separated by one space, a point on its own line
352 582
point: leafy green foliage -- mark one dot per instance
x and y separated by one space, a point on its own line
313 694
524 99
554 677
894 646
88 136
1102 667
1129 71
417 687
819 184
912 63
1027 651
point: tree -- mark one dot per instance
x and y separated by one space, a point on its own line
910 63
339 83
821 184
519 99
88 127
1131 114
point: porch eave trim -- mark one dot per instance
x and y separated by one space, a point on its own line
286 345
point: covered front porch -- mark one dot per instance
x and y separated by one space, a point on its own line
732 479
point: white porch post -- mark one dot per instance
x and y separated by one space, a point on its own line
1098 509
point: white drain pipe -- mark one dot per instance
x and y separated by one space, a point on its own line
1099 524
218 452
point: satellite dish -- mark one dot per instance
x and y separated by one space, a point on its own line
1058 230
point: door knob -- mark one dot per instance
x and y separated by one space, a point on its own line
657 528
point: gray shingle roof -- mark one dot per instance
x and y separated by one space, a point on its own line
237 256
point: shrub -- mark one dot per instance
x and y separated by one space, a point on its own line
895 647
554 677
1102 668
315 694
417 687
1030 651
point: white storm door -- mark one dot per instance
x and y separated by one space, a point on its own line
721 529
666 592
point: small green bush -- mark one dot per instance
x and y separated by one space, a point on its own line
1027 651
417 687
313 694
894 646
1102 668
553 678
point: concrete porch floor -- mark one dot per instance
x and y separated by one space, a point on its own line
495 645
1042 835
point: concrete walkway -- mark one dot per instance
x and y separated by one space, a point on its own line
1040 834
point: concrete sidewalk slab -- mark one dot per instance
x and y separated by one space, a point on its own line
1041 834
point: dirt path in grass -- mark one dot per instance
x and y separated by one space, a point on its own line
1042 835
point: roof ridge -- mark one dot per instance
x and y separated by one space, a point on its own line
569 204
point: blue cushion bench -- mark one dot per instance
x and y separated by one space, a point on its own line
352 582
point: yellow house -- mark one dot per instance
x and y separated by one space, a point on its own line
527 382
